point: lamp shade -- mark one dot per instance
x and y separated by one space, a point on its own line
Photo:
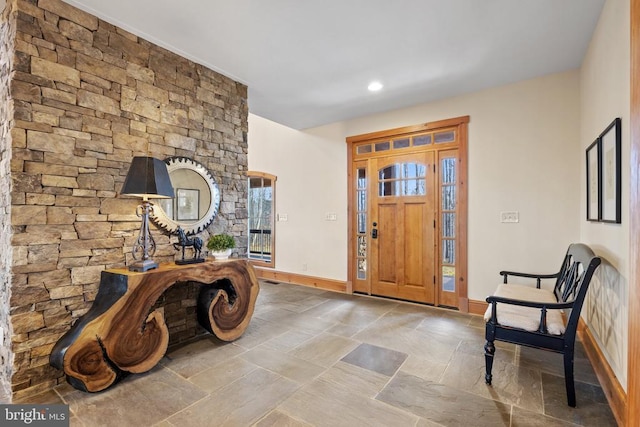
148 178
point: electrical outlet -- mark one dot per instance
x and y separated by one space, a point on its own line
509 216
304 267
331 216
283 217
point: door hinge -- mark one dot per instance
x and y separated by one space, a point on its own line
434 168
434 280
434 223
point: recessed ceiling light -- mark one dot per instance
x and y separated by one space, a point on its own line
375 86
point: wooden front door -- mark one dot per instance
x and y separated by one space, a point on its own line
402 227
407 210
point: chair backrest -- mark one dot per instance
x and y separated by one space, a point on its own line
573 281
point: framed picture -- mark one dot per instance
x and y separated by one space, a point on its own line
610 173
187 204
593 181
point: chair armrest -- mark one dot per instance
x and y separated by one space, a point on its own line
534 304
538 277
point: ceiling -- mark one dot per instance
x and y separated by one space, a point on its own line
308 63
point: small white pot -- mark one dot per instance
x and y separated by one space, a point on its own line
221 254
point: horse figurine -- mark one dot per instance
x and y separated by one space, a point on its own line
184 241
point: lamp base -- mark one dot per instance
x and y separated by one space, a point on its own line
143 265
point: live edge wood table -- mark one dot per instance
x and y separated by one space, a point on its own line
120 334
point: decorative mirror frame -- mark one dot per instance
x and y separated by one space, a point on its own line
159 216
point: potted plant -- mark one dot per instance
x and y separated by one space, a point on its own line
221 245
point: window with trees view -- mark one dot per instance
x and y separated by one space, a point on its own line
261 205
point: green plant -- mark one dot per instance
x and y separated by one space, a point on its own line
220 242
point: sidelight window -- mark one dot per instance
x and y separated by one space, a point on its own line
448 172
361 214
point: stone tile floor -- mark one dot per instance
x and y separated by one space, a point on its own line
316 358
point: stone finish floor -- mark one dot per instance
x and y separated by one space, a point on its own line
316 358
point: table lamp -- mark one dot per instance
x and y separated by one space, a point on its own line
147 178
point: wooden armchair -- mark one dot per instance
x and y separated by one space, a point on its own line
533 316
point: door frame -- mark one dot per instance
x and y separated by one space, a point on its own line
462 127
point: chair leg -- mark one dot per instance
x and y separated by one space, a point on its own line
489 351
568 379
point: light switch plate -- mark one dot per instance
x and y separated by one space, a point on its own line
510 216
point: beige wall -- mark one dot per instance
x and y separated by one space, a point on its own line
524 155
605 95
312 181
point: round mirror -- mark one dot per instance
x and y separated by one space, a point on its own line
196 198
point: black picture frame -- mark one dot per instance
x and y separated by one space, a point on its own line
593 181
610 155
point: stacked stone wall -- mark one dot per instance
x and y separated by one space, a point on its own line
87 97
7 37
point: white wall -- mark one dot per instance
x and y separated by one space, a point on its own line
605 95
311 181
523 155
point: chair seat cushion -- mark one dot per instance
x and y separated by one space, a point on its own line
527 318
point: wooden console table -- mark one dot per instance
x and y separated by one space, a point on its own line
121 334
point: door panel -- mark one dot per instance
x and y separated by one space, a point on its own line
414 247
386 243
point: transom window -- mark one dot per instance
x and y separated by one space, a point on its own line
446 137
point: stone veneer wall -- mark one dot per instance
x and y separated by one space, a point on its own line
89 96
7 36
